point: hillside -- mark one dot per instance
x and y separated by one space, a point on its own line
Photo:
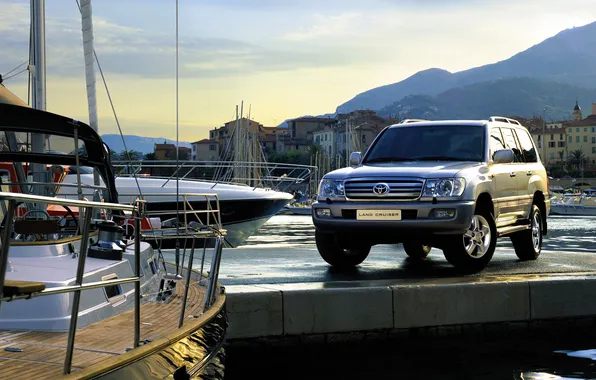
137 143
565 58
506 97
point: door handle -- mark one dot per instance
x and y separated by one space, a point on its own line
529 172
512 174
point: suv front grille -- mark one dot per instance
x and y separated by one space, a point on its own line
405 214
400 189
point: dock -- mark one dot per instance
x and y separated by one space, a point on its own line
324 312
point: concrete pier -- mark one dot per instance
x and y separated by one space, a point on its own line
320 311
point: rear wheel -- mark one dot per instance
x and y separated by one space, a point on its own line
528 243
416 250
472 251
337 256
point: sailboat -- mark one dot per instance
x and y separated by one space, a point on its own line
78 295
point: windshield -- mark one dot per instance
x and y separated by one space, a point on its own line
437 142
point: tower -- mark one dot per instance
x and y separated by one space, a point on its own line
577 112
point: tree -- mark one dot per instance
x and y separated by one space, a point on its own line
183 155
576 159
131 155
151 156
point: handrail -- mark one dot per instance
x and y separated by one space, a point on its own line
56 184
138 212
263 171
28 198
87 206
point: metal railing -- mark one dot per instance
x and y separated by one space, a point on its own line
87 209
212 228
135 211
277 176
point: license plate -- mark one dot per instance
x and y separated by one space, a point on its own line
378 214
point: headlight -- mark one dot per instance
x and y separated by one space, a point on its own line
442 188
330 188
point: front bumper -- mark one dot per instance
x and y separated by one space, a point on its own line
417 218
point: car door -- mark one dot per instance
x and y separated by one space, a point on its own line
516 172
531 172
505 197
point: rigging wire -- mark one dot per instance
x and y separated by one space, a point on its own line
14 75
128 157
6 74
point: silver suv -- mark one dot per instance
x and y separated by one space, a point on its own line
454 185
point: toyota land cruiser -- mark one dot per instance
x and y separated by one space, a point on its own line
454 185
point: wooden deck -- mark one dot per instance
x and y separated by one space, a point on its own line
43 353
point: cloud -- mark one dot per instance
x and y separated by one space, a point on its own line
325 27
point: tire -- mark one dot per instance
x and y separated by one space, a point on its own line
416 250
465 253
528 243
337 256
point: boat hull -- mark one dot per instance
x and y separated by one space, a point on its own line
572 210
240 219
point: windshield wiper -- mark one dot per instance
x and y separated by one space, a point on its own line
388 159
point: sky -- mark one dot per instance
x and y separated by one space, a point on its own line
282 58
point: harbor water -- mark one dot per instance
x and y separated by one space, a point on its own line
283 251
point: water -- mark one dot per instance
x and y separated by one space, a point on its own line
565 356
517 356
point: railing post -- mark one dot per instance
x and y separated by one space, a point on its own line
6 243
212 284
187 285
74 316
137 319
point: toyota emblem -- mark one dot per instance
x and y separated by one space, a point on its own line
380 189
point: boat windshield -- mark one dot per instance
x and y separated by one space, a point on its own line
21 142
429 143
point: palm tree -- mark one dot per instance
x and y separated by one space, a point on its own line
576 159
131 155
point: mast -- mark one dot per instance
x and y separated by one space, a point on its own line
88 51
38 52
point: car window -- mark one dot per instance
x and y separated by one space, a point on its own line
527 146
511 143
431 142
496 141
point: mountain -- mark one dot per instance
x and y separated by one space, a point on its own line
138 143
524 97
568 58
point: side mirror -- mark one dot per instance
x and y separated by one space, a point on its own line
503 156
355 158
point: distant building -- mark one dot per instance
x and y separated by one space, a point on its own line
581 135
299 134
168 152
205 150
251 129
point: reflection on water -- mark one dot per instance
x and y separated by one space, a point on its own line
284 229
564 232
508 355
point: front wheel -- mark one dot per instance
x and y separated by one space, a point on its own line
472 251
528 243
337 256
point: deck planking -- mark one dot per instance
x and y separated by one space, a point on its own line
44 352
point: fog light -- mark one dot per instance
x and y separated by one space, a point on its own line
444 213
324 213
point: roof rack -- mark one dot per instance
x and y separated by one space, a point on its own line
504 120
406 121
